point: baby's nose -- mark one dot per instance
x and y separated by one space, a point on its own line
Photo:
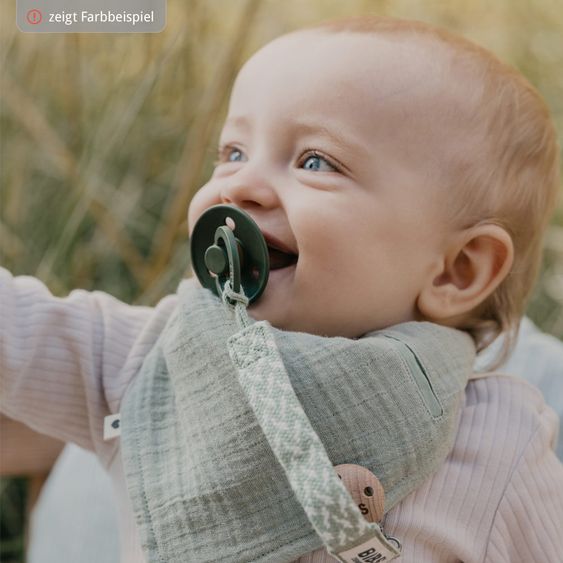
249 191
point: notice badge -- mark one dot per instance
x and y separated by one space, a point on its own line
91 16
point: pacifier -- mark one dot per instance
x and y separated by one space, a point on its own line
227 244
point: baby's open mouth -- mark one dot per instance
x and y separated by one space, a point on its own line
280 259
281 256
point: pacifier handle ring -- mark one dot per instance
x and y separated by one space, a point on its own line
225 235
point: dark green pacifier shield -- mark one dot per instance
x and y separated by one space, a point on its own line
242 258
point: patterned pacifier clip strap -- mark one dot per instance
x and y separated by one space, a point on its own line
331 510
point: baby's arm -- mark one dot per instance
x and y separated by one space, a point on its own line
527 524
62 359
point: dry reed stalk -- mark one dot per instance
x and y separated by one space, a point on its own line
28 114
178 269
113 229
11 245
26 111
194 153
107 138
72 90
112 132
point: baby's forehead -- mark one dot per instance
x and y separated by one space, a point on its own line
378 60
408 74
409 90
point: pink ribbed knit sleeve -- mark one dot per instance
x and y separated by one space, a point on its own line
529 520
62 359
498 498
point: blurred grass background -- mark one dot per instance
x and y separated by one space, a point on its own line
105 138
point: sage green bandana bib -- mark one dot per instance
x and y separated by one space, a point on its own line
229 435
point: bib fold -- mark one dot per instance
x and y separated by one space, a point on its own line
204 482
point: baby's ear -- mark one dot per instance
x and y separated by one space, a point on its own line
474 264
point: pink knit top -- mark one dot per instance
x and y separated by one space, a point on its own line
65 364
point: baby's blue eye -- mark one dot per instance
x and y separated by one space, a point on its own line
235 155
317 163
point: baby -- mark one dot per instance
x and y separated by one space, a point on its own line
400 174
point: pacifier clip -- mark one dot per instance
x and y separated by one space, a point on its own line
338 521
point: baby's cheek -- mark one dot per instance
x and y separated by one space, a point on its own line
199 203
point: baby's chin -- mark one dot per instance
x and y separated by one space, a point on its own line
283 319
263 311
276 315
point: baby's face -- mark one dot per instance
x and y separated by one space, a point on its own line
329 144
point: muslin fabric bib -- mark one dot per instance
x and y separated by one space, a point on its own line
204 482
